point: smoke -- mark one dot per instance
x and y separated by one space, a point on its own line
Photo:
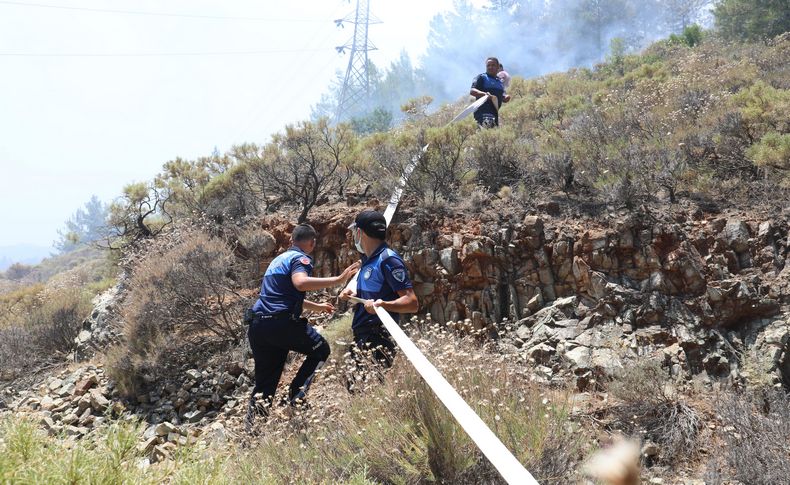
529 37
536 37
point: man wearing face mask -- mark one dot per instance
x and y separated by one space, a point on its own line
383 281
278 327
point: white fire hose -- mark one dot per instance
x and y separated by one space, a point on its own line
497 453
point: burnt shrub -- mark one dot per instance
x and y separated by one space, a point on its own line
40 326
757 436
16 344
648 406
182 292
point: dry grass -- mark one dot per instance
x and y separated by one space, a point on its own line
649 407
395 431
41 328
109 455
757 436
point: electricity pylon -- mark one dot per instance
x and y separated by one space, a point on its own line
356 84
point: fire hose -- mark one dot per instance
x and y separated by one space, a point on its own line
489 444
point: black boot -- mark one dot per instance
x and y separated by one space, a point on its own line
254 408
249 419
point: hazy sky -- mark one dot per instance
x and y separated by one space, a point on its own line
85 107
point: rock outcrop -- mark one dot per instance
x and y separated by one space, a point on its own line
686 289
100 329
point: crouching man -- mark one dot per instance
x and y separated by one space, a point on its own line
383 281
278 327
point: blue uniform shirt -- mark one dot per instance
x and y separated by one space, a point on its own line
278 294
489 84
381 276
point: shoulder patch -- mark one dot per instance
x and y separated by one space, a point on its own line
304 260
399 274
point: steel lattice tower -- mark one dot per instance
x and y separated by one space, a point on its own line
356 84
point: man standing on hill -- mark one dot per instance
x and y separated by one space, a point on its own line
383 282
278 327
488 84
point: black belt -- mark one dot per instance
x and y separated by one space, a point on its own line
272 316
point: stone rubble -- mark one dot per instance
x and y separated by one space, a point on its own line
75 402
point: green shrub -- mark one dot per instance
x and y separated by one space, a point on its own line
108 455
17 271
443 168
773 151
763 109
307 163
496 156
141 212
39 323
58 320
377 121
692 35
15 305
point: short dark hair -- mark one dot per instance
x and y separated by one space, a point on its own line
493 59
303 232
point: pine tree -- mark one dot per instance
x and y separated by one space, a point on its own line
752 19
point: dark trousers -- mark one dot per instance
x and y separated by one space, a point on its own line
377 345
487 120
372 354
271 339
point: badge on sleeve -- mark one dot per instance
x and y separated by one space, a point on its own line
304 260
399 274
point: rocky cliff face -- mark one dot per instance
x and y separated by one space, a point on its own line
693 291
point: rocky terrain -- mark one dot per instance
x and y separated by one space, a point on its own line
578 303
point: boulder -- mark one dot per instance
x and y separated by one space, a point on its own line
165 428
736 235
147 446
47 403
449 260
54 384
194 416
98 402
194 374
579 358
234 368
85 385
541 353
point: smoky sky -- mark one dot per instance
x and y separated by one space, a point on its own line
535 37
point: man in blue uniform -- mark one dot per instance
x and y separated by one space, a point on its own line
383 281
488 84
278 327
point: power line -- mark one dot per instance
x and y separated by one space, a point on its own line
159 54
263 103
162 14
